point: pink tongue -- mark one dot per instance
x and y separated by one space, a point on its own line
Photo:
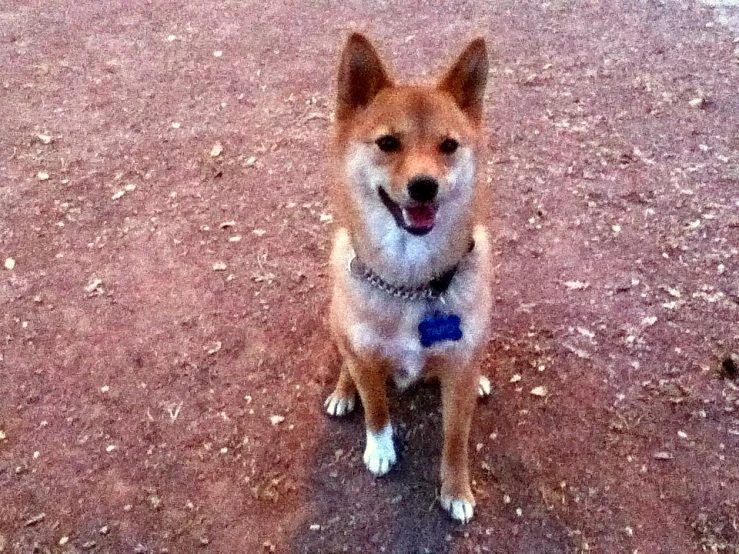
421 216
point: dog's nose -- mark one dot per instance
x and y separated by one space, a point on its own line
422 188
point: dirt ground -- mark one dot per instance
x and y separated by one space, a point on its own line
165 229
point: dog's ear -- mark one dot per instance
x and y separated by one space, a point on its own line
361 76
466 79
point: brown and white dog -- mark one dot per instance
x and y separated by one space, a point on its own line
411 258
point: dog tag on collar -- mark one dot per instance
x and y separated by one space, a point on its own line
439 327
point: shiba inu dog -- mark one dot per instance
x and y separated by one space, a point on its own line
411 260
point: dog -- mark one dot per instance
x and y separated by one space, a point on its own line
411 258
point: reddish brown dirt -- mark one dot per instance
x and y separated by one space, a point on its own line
135 411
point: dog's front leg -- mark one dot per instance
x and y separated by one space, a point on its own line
458 397
370 376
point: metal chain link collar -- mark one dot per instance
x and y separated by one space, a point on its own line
433 290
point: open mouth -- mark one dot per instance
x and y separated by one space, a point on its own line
418 218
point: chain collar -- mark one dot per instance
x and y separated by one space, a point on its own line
433 290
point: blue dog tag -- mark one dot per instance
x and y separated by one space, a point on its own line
439 328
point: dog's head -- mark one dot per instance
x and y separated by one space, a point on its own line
411 149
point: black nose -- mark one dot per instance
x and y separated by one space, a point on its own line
422 188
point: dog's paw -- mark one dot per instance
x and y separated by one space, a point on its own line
460 509
484 388
339 405
379 454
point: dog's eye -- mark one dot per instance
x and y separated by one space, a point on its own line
388 143
449 146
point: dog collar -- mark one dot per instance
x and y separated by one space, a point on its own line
433 290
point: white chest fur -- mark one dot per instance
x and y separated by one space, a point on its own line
389 327
376 323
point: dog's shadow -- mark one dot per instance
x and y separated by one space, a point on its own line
347 510
395 513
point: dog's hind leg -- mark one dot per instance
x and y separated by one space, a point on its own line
341 402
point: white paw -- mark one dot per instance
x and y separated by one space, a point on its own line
337 405
379 454
484 387
458 508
